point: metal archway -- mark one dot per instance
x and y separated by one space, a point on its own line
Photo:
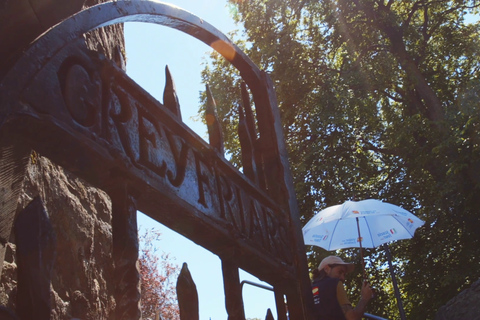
82 111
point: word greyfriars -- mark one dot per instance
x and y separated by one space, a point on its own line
143 136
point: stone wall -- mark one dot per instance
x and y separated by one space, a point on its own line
81 218
80 214
464 306
21 21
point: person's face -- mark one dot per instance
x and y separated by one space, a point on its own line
336 271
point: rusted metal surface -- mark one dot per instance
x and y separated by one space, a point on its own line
170 99
82 111
248 139
282 309
125 251
233 290
213 124
187 295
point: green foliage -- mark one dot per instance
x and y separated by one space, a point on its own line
378 100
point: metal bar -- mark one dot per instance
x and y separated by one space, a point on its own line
256 285
371 316
394 280
233 291
282 309
125 253
280 304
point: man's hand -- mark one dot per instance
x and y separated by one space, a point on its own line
367 292
357 313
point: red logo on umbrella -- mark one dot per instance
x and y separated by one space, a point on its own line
355 212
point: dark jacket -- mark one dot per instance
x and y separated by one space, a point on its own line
325 299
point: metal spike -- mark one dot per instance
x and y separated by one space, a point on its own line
256 146
246 145
269 315
248 112
187 294
170 99
213 125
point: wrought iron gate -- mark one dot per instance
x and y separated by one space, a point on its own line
82 111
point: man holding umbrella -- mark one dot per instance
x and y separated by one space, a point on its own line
329 296
362 224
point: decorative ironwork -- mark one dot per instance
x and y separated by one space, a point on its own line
82 111
187 295
117 127
170 99
233 290
125 252
246 143
213 123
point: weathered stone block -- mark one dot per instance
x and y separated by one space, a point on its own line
463 306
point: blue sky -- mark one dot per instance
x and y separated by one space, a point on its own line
149 49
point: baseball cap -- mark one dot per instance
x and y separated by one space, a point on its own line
334 260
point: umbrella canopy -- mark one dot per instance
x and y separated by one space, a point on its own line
364 224
337 227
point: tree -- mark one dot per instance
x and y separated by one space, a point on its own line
379 99
158 278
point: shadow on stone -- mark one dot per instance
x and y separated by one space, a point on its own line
36 242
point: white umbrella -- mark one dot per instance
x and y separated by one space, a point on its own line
337 227
368 223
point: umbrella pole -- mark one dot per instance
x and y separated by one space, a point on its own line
361 250
394 280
